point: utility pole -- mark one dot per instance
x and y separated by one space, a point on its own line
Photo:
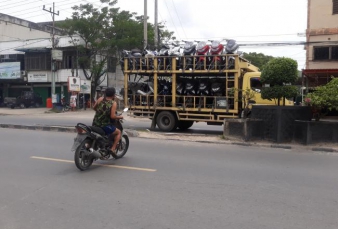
156 26
145 28
53 46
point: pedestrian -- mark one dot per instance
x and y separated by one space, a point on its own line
63 103
73 98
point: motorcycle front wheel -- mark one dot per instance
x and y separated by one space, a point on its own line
122 147
81 158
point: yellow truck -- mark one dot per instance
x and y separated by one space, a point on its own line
175 95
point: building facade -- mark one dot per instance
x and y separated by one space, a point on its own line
26 48
322 42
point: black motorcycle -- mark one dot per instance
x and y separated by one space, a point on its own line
91 143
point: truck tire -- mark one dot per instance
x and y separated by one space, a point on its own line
22 105
37 105
184 125
166 121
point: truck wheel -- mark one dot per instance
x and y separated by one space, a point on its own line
12 106
166 121
184 125
37 105
22 105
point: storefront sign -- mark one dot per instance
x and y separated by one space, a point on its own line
85 86
57 55
10 70
74 84
37 77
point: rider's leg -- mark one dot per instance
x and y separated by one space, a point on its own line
117 137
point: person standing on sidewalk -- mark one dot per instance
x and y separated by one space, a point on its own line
73 98
105 111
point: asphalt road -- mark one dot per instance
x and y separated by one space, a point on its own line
71 118
164 184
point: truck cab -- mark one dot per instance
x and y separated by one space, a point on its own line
252 81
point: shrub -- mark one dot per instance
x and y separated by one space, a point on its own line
325 96
279 74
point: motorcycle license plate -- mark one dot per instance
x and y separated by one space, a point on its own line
78 140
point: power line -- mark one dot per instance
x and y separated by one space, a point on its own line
65 9
179 19
12 6
33 9
171 18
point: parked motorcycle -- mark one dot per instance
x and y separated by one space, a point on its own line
164 93
217 49
175 51
204 90
191 87
149 58
163 60
134 59
217 88
180 90
230 48
188 53
91 143
201 55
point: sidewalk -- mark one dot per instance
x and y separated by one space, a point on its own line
43 111
324 147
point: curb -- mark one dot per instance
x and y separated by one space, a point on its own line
67 129
134 133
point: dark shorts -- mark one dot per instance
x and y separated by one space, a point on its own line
109 129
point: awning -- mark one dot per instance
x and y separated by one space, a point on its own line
317 77
33 49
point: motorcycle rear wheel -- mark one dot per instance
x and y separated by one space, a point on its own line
122 147
82 161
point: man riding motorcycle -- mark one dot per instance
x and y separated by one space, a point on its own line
105 113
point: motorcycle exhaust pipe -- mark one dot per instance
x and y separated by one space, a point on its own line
95 154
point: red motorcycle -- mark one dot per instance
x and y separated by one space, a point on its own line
217 61
202 52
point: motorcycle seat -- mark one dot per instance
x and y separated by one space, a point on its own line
98 130
133 51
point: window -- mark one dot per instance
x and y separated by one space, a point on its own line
335 7
37 61
325 53
321 53
111 63
334 53
69 62
256 84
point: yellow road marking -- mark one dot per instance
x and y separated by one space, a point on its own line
111 166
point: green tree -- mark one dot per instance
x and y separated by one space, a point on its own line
93 26
105 32
279 74
257 59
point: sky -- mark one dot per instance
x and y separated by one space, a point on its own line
246 21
